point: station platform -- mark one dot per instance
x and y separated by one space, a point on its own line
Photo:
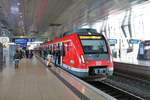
33 81
132 60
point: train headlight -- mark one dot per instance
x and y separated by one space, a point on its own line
87 62
111 59
82 59
110 70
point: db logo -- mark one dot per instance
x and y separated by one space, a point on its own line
98 63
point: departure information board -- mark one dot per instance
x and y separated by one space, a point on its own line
21 41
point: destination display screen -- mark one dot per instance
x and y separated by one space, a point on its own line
90 37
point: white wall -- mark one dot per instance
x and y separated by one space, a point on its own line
89 11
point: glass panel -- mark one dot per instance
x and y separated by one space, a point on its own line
95 49
94 46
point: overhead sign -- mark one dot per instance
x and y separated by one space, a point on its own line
147 42
112 42
21 41
134 41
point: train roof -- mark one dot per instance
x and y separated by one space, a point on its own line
83 31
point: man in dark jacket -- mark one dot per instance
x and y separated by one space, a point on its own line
17 58
27 53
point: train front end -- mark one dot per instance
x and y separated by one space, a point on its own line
97 57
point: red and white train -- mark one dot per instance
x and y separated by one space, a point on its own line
83 53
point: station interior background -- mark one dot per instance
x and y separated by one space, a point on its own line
123 28
124 23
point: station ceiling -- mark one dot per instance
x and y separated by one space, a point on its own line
27 16
31 15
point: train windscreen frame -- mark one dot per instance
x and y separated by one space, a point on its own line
94 47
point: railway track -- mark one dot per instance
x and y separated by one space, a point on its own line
131 84
133 77
138 72
114 91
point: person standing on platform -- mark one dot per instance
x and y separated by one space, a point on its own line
17 58
22 53
31 54
55 57
27 53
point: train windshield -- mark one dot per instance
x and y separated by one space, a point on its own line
94 46
95 49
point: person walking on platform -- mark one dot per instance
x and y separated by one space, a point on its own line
17 58
22 53
31 54
27 53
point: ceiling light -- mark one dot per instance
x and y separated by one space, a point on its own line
14 10
18 4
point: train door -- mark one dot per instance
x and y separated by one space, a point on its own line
58 54
66 54
69 55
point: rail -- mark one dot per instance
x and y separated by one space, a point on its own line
114 91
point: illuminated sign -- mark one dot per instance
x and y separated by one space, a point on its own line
134 41
90 37
147 42
21 41
112 42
